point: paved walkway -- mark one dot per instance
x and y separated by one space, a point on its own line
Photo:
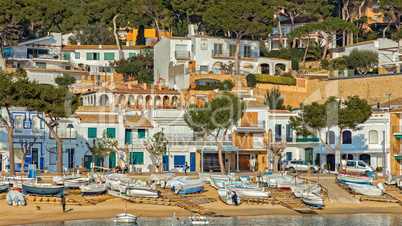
336 194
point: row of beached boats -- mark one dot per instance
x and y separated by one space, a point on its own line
361 184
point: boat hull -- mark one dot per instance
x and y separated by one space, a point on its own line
42 191
226 197
348 178
188 190
313 200
125 218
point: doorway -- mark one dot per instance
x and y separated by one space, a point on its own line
165 161
308 155
87 161
71 158
192 162
365 158
331 161
35 157
244 161
112 160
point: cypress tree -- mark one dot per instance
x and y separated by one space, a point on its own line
140 36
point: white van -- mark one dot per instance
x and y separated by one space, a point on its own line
356 166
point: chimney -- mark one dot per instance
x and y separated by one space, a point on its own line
100 46
129 85
79 42
145 86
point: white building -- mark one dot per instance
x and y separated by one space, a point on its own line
177 57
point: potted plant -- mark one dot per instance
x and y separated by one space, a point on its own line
81 65
255 166
55 57
211 169
223 68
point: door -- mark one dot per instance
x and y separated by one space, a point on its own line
112 160
87 161
192 162
71 158
365 158
244 161
165 161
179 161
308 155
99 161
331 161
35 159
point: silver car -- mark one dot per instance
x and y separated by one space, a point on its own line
300 165
356 166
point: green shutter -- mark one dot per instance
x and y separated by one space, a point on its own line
92 133
66 56
109 56
40 65
111 133
89 56
77 55
128 136
141 133
132 54
136 158
97 56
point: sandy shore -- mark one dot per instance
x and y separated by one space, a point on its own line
11 215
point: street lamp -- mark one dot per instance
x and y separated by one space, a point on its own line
70 126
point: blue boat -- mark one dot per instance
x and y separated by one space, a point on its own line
349 178
3 187
42 190
187 186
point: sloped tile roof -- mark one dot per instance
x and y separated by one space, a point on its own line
93 109
255 104
138 121
280 111
113 47
97 118
397 102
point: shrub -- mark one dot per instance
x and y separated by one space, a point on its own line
362 60
274 79
325 64
288 75
225 85
251 80
295 64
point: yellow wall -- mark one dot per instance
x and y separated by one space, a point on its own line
148 33
395 144
368 10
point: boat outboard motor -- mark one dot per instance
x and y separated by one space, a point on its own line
234 198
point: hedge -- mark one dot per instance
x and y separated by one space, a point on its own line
219 86
275 79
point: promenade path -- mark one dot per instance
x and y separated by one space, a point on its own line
336 194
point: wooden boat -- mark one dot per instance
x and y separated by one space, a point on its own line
143 192
206 177
17 185
349 178
313 200
187 186
42 189
257 192
93 189
197 219
125 218
75 183
226 195
62 179
365 189
3 187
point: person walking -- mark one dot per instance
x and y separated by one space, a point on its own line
185 167
63 203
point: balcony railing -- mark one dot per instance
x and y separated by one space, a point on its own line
224 53
182 54
307 139
64 134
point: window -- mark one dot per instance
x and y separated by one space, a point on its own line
40 65
93 56
232 50
217 49
278 132
346 137
53 156
67 67
373 137
141 133
66 56
18 120
136 158
128 136
204 68
77 55
351 163
247 51
331 137
361 164
109 56
289 134
131 55
92 133
35 124
111 132
181 51
288 156
131 43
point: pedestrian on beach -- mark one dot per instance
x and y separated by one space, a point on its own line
125 169
118 169
63 203
185 167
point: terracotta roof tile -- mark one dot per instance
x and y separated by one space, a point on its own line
397 101
114 47
280 111
97 118
93 109
139 121
255 104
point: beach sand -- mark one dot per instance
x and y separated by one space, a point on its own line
10 215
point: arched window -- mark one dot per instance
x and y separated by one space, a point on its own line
331 137
346 137
373 137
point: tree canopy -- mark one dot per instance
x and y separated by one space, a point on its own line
137 67
92 34
362 60
65 81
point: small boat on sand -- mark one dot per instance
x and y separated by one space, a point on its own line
42 189
365 189
3 187
125 218
93 189
197 219
15 198
250 192
228 197
187 186
357 179
313 200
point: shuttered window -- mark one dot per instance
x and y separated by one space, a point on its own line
111 133
141 133
132 54
109 56
93 56
40 65
136 158
92 132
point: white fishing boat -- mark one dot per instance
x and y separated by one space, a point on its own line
206 177
173 180
356 179
75 183
301 189
187 186
160 178
250 192
4 187
15 198
221 183
143 192
313 200
61 179
93 189
228 197
367 189
283 182
126 217
197 219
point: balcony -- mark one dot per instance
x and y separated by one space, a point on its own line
64 134
182 54
397 131
308 139
192 140
223 54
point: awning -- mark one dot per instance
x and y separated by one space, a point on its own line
224 148
398 157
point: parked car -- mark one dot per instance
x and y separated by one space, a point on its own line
300 165
356 166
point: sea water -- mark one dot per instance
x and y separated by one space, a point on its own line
331 220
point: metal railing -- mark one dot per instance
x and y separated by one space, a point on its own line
182 54
307 139
64 134
224 53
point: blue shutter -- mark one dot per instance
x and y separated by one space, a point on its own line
92 133
278 132
111 133
141 133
